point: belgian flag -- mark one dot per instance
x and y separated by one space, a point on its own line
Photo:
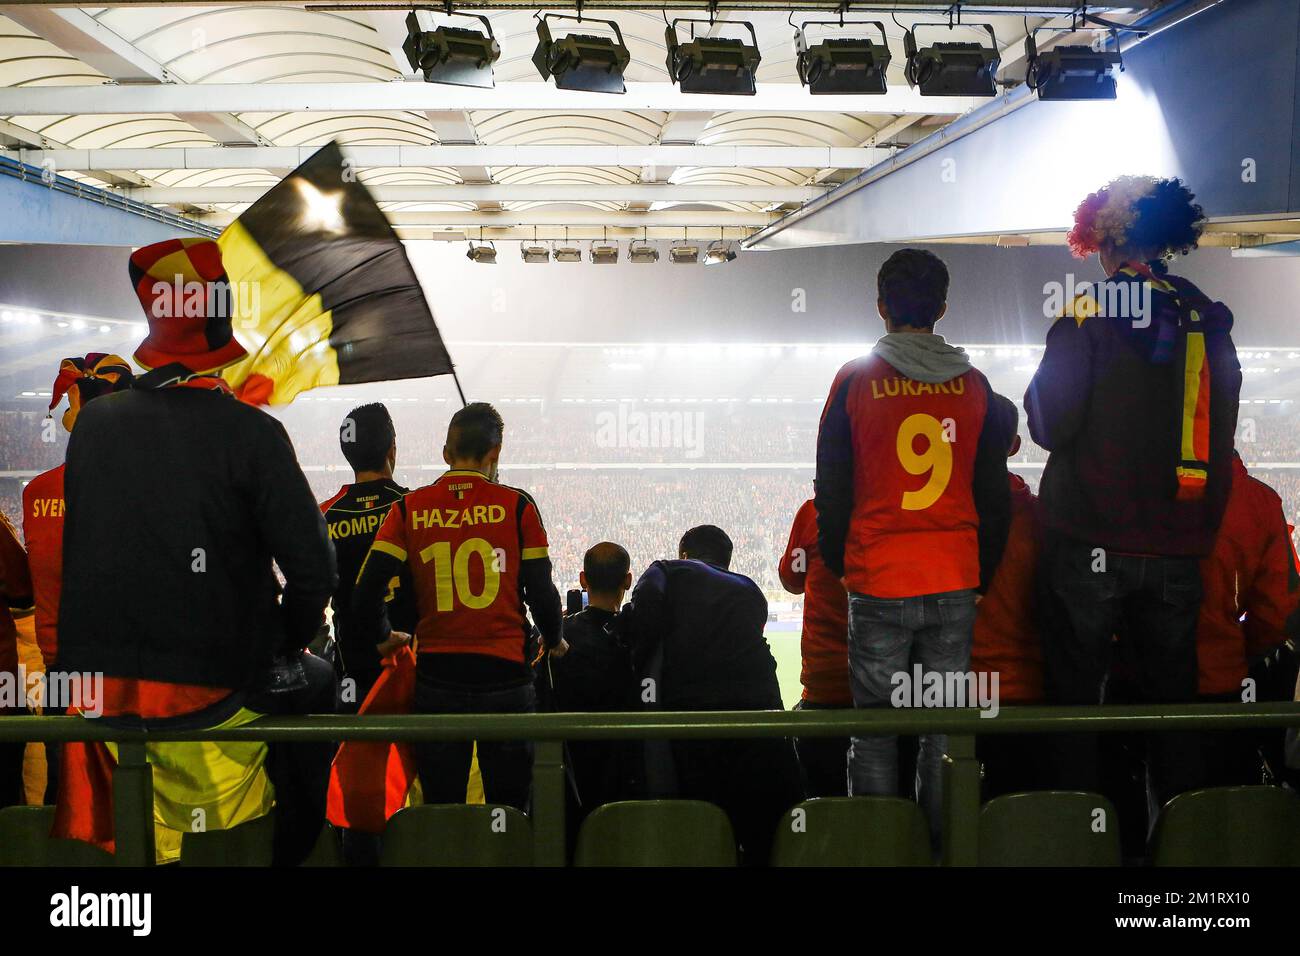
321 290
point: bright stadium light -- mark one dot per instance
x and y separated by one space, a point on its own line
684 252
484 253
1074 72
604 252
580 61
451 55
642 251
534 251
719 252
712 64
842 64
952 69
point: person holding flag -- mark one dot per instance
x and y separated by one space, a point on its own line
478 558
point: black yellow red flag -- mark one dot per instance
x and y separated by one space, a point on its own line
322 290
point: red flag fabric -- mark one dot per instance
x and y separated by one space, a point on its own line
369 782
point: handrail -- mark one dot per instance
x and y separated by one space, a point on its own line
133 780
681 724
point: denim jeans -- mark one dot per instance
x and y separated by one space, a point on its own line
1143 607
506 765
886 636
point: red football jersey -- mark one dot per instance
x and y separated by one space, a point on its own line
463 538
824 641
43 531
914 527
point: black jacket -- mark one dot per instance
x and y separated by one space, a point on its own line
1106 401
697 631
178 500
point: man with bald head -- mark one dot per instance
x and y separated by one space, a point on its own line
596 676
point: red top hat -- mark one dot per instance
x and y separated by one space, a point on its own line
187 300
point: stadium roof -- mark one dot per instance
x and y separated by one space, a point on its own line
201 108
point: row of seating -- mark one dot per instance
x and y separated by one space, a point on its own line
1229 826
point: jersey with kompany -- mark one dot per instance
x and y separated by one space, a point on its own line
464 539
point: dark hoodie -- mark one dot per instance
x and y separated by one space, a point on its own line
1106 401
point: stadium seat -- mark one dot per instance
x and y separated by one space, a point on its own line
249 844
1229 826
458 835
25 841
1049 828
328 850
853 831
656 833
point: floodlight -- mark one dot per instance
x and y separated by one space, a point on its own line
684 253
579 61
451 55
713 64
842 64
484 253
604 253
568 254
1074 72
952 69
534 252
642 251
719 252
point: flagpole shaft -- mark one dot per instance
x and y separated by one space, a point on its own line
459 391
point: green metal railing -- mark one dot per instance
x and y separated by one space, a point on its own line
133 781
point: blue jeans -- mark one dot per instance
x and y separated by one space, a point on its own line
886 636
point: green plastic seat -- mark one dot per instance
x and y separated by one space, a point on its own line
853 831
1049 828
25 841
656 833
249 844
457 835
1229 826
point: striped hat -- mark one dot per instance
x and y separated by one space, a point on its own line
83 379
182 285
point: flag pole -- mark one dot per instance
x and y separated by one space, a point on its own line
459 391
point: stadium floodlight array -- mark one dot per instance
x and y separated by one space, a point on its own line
719 251
952 69
451 55
1073 72
580 61
484 253
568 253
684 253
842 64
713 64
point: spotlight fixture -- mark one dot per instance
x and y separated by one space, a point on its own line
451 55
952 69
642 251
1074 72
604 252
842 64
580 61
712 64
484 253
684 252
719 252
534 252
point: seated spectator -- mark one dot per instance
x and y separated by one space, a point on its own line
1007 637
596 676
181 503
1251 605
824 647
696 634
